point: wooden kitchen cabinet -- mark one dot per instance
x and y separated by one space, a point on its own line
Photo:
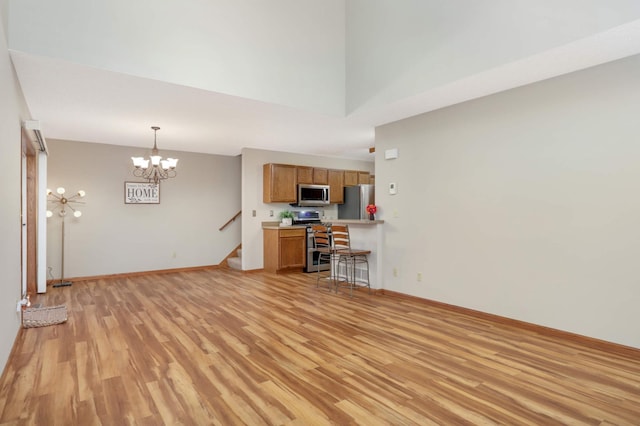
305 174
312 175
279 183
320 176
336 186
363 178
284 249
350 177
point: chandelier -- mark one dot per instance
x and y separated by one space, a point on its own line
160 169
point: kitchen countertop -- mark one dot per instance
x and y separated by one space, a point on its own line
356 221
276 225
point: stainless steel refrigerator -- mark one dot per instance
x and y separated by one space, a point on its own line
356 200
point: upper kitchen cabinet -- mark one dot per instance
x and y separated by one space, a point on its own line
336 186
312 175
350 177
279 183
363 178
305 174
320 176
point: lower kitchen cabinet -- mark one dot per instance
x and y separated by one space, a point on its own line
284 248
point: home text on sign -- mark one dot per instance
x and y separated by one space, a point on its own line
141 193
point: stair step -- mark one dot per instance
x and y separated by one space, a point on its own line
235 263
239 252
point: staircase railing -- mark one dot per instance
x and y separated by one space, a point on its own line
230 221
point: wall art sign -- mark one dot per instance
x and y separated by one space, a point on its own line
141 193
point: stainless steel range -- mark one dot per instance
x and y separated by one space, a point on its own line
310 217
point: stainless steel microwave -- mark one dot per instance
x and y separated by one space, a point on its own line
313 195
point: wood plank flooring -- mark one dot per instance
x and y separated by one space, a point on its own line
224 348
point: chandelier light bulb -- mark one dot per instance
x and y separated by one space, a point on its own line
49 192
62 213
49 213
155 160
60 190
77 213
138 161
81 193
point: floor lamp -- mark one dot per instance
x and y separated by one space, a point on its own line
62 203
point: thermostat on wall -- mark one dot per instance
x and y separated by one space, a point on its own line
393 188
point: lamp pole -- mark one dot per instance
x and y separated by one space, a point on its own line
62 282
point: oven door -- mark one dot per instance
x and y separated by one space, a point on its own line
313 255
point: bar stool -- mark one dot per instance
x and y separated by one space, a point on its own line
322 245
350 257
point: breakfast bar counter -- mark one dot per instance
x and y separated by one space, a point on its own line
282 243
367 235
356 221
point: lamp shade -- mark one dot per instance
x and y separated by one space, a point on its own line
137 161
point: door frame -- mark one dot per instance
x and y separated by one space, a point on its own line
29 214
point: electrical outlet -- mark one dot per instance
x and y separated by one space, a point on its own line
395 213
253 213
174 255
270 213
395 272
419 277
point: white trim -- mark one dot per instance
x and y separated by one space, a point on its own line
42 222
23 224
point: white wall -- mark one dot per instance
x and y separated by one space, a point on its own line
523 204
288 52
401 48
12 112
252 161
112 237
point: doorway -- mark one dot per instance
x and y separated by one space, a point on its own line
28 214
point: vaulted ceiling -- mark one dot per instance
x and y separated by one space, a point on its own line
301 76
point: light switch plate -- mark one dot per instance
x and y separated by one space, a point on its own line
393 188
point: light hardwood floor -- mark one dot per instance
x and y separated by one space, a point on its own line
221 347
